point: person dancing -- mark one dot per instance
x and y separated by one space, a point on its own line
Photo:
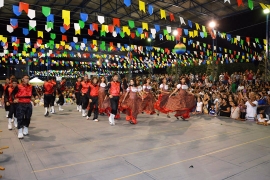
114 90
84 87
101 94
132 102
183 102
93 99
148 98
163 98
12 106
48 89
6 85
22 95
78 94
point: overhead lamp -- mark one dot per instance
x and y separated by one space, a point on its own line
149 39
212 24
266 11
175 32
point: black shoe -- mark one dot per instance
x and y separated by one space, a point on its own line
157 114
183 118
168 116
177 118
47 114
131 122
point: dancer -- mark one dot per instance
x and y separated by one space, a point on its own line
93 99
78 94
163 98
132 102
7 84
183 102
101 94
84 87
62 86
148 98
53 81
114 90
12 106
61 99
48 90
23 93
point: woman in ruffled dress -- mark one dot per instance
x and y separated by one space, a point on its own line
131 102
183 102
163 98
102 94
148 98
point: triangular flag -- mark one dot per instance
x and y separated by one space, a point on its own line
65 14
172 17
116 22
229 1
127 2
182 21
150 9
10 29
131 24
101 19
162 14
263 5
16 10
25 31
31 13
1 3
40 34
145 26
250 4
23 7
141 6
84 17
46 11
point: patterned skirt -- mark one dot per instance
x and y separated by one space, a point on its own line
182 103
161 103
148 103
101 98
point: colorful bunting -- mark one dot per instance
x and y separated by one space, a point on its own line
141 6
46 11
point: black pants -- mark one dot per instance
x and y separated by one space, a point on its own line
24 113
114 104
61 100
12 110
93 106
48 100
53 98
85 101
6 107
78 96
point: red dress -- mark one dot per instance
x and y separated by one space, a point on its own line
148 100
132 104
182 103
101 97
163 99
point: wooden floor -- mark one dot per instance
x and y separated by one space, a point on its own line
66 146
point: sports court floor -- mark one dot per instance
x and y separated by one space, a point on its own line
66 146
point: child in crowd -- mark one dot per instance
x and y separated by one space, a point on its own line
212 111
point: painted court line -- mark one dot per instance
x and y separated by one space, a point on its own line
132 153
172 164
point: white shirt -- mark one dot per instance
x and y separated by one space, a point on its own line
199 106
183 86
251 110
133 89
148 87
240 88
102 85
235 112
166 87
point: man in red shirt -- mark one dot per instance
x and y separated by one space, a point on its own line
93 99
78 94
84 88
114 90
62 86
48 90
9 102
22 95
